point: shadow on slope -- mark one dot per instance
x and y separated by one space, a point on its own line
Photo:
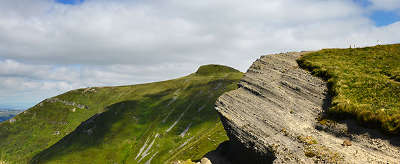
117 134
90 133
328 122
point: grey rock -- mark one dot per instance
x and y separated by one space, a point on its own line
272 118
54 100
12 120
89 90
56 133
205 161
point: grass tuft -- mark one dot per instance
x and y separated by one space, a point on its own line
308 140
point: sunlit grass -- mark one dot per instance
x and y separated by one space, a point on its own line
128 115
364 83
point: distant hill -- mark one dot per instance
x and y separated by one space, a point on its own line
6 114
154 122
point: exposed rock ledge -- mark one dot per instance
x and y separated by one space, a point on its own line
272 118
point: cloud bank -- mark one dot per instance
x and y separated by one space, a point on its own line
47 48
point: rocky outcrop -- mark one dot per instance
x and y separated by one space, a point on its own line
273 118
69 103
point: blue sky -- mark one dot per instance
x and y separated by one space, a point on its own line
378 15
383 18
70 2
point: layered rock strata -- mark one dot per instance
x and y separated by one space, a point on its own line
273 118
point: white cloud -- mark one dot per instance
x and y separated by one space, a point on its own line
48 48
385 4
21 83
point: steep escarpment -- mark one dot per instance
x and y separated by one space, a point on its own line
274 118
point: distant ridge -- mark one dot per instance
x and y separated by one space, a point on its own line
144 123
6 114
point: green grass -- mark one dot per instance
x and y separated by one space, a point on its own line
212 69
127 117
364 83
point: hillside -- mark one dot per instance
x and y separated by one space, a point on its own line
160 121
364 83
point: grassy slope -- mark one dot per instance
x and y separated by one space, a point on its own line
36 128
364 82
131 115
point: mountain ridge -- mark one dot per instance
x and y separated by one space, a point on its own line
56 117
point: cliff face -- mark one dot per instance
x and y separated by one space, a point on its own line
273 118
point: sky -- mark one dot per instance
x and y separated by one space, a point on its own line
48 47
